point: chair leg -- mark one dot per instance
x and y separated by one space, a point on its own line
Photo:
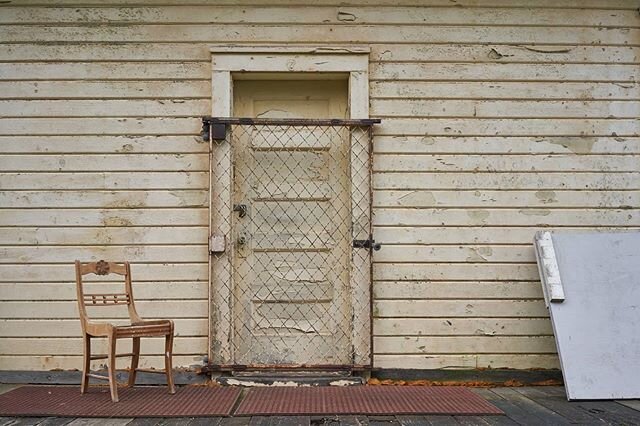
113 385
86 365
134 361
168 350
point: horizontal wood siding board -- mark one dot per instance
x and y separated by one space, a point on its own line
447 361
123 236
74 362
67 291
480 234
318 34
189 327
498 144
380 52
327 14
500 117
516 180
68 309
554 4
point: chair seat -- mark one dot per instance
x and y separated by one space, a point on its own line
144 329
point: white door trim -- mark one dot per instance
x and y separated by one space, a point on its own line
228 62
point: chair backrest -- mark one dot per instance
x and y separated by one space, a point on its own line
104 299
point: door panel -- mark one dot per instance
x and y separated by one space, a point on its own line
292 252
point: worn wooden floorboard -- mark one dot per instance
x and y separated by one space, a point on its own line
145 421
610 412
515 412
441 420
545 415
411 420
631 403
559 405
470 420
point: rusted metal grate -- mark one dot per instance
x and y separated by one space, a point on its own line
290 200
364 400
66 401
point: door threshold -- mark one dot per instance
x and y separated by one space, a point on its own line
291 378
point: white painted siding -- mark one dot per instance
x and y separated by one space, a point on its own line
499 117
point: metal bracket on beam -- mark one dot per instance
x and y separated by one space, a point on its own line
217 131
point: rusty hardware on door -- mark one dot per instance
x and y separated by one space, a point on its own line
241 209
368 244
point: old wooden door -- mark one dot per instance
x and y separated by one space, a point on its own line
291 226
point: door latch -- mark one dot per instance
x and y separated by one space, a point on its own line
241 209
367 244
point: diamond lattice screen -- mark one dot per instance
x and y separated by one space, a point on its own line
295 290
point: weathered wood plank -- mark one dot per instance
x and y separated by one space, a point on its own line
102 126
547 416
102 144
105 108
99 236
504 72
505 145
464 344
328 14
170 253
516 413
509 127
466 235
349 33
104 217
140 272
486 109
80 89
104 199
595 4
68 309
452 361
456 290
74 362
454 272
453 254
72 346
502 53
459 308
67 291
505 90
507 217
106 162
105 71
188 327
105 180
462 327
558 405
524 199
506 163
520 180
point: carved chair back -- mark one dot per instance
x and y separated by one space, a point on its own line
104 299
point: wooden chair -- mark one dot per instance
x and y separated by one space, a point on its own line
137 329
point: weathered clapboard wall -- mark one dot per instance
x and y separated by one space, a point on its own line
500 117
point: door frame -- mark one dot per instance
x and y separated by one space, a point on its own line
228 62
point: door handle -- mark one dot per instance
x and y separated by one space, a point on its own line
241 209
